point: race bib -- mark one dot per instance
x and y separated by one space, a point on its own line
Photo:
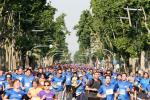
122 92
20 78
68 79
1 82
59 83
109 91
27 84
78 93
19 95
49 97
35 98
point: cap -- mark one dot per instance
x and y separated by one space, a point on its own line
8 76
80 75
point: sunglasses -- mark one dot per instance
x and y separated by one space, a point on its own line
8 76
46 85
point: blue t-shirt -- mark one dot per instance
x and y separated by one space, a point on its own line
68 79
6 85
14 95
144 83
138 78
148 88
27 82
63 74
108 91
89 76
84 80
58 81
47 74
2 79
122 89
81 87
18 76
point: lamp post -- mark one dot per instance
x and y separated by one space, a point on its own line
30 52
42 46
52 56
112 54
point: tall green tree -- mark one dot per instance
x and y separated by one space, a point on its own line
117 35
20 18
84 29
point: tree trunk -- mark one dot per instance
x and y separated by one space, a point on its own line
50 60
143 60
27 61
17 58
6 56
134 64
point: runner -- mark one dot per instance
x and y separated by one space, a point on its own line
34 90
58 84
124 88
15 93
46 94
107 91
27 80
93 86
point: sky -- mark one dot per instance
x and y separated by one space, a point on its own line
73 10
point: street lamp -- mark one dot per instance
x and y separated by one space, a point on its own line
41 46
30 52
37 30
52 56
109 52
113 55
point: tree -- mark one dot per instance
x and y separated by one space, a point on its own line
19 18
84 29
116 34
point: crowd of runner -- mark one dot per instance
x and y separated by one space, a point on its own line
68 82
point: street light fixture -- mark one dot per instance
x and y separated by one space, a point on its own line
40 46
37 30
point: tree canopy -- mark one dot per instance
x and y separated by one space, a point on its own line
30 23
105 17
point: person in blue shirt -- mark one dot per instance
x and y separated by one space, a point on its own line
2 77
27 80
47 73
68 81
8 82
19 75
112 81
15 93
64 73
58 84
89 75
118 79
145 81
124 87
85 79
80 89
107 90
